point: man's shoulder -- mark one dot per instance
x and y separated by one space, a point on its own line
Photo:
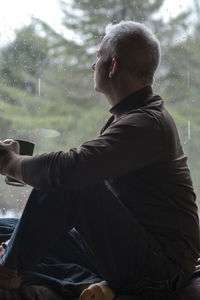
145 116
151 116
152 113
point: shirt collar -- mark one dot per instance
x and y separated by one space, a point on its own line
133 101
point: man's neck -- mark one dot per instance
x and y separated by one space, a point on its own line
117 95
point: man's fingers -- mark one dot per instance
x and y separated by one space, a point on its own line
8 141
11 145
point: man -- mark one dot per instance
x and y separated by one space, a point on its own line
128 192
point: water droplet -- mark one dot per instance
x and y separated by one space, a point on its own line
39 87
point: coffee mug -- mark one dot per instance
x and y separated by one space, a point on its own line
25 148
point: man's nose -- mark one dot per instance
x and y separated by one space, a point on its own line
93 66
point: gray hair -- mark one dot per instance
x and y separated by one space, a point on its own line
136 48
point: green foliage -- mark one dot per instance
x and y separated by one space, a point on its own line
24 58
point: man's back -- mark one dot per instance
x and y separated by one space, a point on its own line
159 191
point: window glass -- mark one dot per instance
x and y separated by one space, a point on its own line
46 80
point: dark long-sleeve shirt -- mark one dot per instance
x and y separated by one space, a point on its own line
139 156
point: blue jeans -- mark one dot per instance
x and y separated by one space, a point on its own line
118 249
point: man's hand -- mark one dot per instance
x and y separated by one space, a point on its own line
9 150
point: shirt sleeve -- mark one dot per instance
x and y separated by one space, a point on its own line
125 146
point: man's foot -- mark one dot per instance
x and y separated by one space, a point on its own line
9 279
97 291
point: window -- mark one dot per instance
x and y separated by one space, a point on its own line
46 81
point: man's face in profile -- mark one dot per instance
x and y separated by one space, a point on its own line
101 68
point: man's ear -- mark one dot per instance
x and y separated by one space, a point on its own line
114 67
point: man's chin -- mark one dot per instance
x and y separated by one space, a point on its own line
97 89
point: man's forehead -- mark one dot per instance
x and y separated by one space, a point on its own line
103 45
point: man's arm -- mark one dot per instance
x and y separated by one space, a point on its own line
122 148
